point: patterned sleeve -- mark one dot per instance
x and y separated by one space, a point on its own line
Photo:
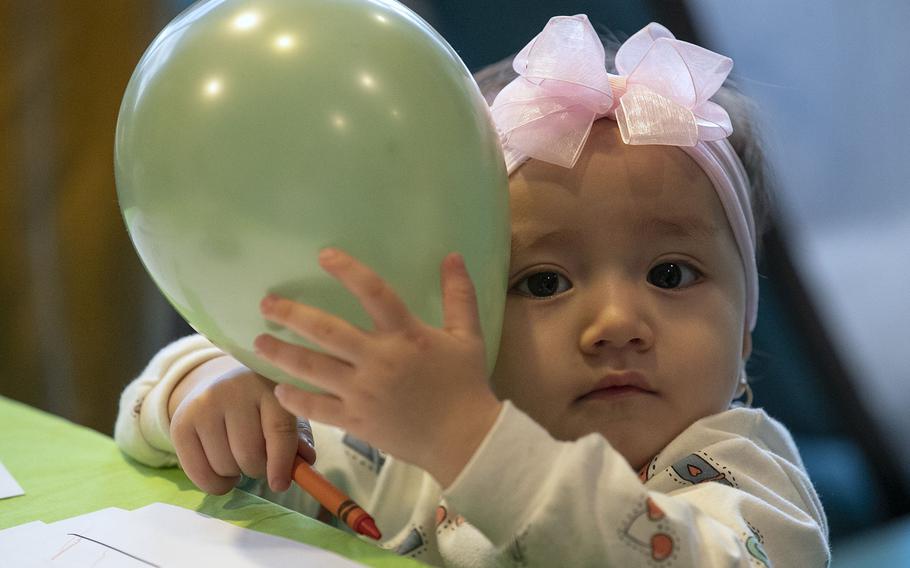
142 430
729 491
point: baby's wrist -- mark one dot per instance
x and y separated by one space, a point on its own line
202 373
461 438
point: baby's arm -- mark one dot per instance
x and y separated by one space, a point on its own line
142 429
547 503
197 405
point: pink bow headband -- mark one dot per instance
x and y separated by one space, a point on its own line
659 97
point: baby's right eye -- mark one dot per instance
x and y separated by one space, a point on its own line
542 284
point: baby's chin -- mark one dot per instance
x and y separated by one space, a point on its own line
636 443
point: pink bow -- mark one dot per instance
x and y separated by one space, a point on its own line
659 97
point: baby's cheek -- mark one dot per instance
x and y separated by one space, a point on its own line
508 360
522 383
527 361
516 380
501 380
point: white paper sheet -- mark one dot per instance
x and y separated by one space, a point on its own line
13 541
39 545
158 535
8 485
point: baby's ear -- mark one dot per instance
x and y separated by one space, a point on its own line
747 345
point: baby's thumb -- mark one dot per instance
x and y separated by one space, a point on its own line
306 448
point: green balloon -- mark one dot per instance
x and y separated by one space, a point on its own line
253 134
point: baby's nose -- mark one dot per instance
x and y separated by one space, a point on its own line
617 324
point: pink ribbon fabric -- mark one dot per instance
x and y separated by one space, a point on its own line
660 96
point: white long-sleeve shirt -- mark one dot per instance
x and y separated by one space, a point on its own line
730 490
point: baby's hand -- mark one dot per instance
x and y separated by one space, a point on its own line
418 392
227 422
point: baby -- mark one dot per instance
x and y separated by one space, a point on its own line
605 434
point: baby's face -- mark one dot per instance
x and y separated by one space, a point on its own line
625 314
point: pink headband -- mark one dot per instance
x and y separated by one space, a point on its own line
659 97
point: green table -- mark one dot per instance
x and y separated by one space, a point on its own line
67 470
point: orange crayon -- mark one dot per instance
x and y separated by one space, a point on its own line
334 500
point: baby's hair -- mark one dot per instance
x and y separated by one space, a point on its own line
746 139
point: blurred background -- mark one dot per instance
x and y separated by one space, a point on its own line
79 317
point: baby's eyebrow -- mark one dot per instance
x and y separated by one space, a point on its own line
692 228
680 227
555 237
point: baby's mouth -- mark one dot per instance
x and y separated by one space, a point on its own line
611 393
618 385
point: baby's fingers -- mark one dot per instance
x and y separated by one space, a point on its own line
195 464
282 440
318 369
332 333
325 408
459 299
379 300
246 440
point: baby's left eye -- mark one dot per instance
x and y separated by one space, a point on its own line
670 275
